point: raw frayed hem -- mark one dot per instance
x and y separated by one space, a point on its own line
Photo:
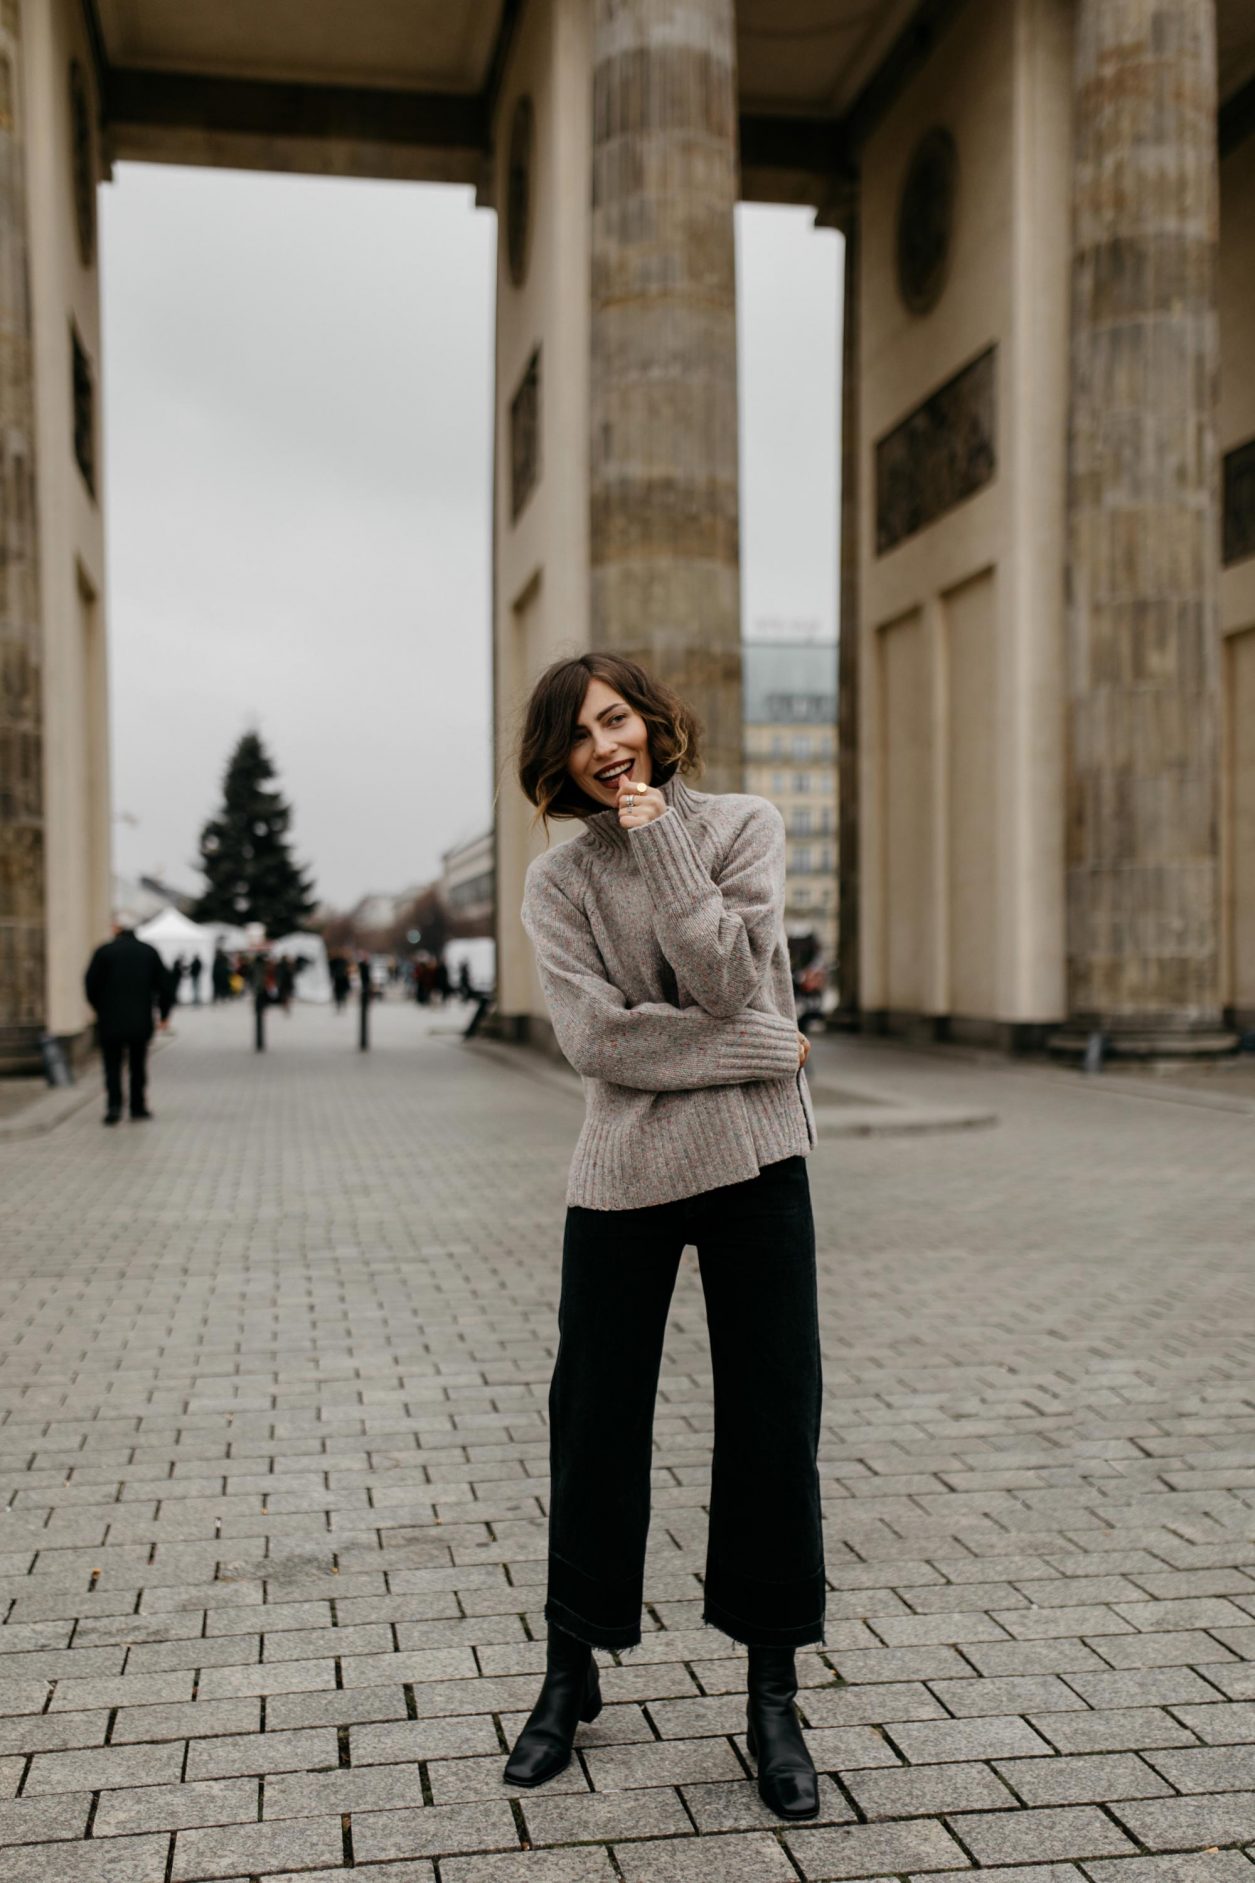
583 1630
746 1635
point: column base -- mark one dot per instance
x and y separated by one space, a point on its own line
1094 1040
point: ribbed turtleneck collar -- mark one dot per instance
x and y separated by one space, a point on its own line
605 825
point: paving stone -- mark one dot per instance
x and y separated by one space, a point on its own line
396 1742
669 1762
929 1742
194 1719
1036 1836
1011 1693
1177 1648
1151 1686
526 1866
112 1860
251 1848
104 1767
1094 1778
1205 1768
1219 1724
373 1788
1113 1730
1189 1823
875 1850
35 1820
176 1807
244 1754
418 1871
594 1818
858 1706
754 1857
433 1831
1216 1866
931 1790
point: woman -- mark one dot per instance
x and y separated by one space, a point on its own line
659 938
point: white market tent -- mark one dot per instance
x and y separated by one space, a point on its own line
174 935
313 981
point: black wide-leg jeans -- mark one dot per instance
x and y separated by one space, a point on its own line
755 1243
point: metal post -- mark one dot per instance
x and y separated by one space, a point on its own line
259 1016
363 1038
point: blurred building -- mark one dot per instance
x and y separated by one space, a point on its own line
376 913
1047 664
466 884
790 689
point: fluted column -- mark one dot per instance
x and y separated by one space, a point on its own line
22 971
665 563
1143 722
849 939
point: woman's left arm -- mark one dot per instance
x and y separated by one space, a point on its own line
717 932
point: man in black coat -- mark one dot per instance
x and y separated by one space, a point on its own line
125 982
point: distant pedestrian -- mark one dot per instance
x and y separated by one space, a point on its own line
178 969
126 984
221 977
442 981
194 974
341 981
285 982
466 991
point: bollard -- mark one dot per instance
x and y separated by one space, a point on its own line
363 1036
1095 1051
259 1029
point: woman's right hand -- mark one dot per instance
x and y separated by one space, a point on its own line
803 1050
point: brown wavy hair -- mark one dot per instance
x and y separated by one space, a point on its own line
552 716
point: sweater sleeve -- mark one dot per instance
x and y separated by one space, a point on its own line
718 933
653 1047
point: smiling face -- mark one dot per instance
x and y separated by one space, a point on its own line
610 743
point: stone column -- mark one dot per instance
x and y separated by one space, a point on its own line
1143 649
664 551
22 973
848 935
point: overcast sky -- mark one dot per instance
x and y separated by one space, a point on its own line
297 384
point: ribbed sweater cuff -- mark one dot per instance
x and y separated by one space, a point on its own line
668 860
764 1046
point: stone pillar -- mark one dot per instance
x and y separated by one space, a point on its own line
849 940
664 550
22 940
1143 671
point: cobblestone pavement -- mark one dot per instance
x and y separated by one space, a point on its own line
273 1452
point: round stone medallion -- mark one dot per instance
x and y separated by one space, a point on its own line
518 207
926 220
83 163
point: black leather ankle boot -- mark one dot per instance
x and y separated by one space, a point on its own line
787 1783
571 1692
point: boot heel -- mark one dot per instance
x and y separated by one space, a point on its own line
592 1698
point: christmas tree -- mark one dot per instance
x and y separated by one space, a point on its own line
245 851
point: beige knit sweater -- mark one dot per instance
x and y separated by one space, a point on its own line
664 963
